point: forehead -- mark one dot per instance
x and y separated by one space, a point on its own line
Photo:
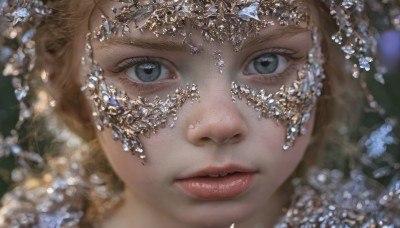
218 20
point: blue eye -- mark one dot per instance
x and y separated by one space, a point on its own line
147 72
267 64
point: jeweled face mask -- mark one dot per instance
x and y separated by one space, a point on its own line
218 21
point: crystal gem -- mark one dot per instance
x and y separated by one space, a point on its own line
20 15
285 146
250 12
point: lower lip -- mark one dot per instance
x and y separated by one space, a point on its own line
209 188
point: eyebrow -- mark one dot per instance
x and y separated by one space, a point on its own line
281 32
167 45
151 44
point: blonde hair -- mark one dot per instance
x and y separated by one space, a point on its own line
336 107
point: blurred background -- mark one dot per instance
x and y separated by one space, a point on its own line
8 118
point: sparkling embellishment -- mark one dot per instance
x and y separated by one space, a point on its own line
290 105
20 15
220 62
377 145
130 118
219 20
327 199
250 12
354 35
323 199
19 60
378 141
56 201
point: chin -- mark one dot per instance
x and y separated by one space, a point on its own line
214 222
220 216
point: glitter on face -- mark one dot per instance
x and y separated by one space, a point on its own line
129 118
220 63
218 20
290 105
250 12
322 199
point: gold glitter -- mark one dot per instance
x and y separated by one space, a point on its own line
130 118
218 20
290 105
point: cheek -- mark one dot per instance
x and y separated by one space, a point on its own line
168 152
127 166
135 173
294 155
278 164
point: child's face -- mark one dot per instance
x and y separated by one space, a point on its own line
181 176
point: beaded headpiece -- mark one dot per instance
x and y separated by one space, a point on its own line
220 21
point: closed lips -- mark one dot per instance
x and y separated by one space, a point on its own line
217 183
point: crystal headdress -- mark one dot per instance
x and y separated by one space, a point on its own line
357 36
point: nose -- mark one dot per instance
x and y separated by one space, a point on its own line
216 120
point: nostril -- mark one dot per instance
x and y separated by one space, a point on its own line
234 138
205 139
220 124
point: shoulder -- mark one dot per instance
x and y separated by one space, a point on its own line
40 204
326 198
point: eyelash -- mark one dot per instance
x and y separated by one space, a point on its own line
147 87
289 55
150 87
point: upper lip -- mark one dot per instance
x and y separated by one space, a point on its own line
218 170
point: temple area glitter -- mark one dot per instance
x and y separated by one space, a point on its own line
290 105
